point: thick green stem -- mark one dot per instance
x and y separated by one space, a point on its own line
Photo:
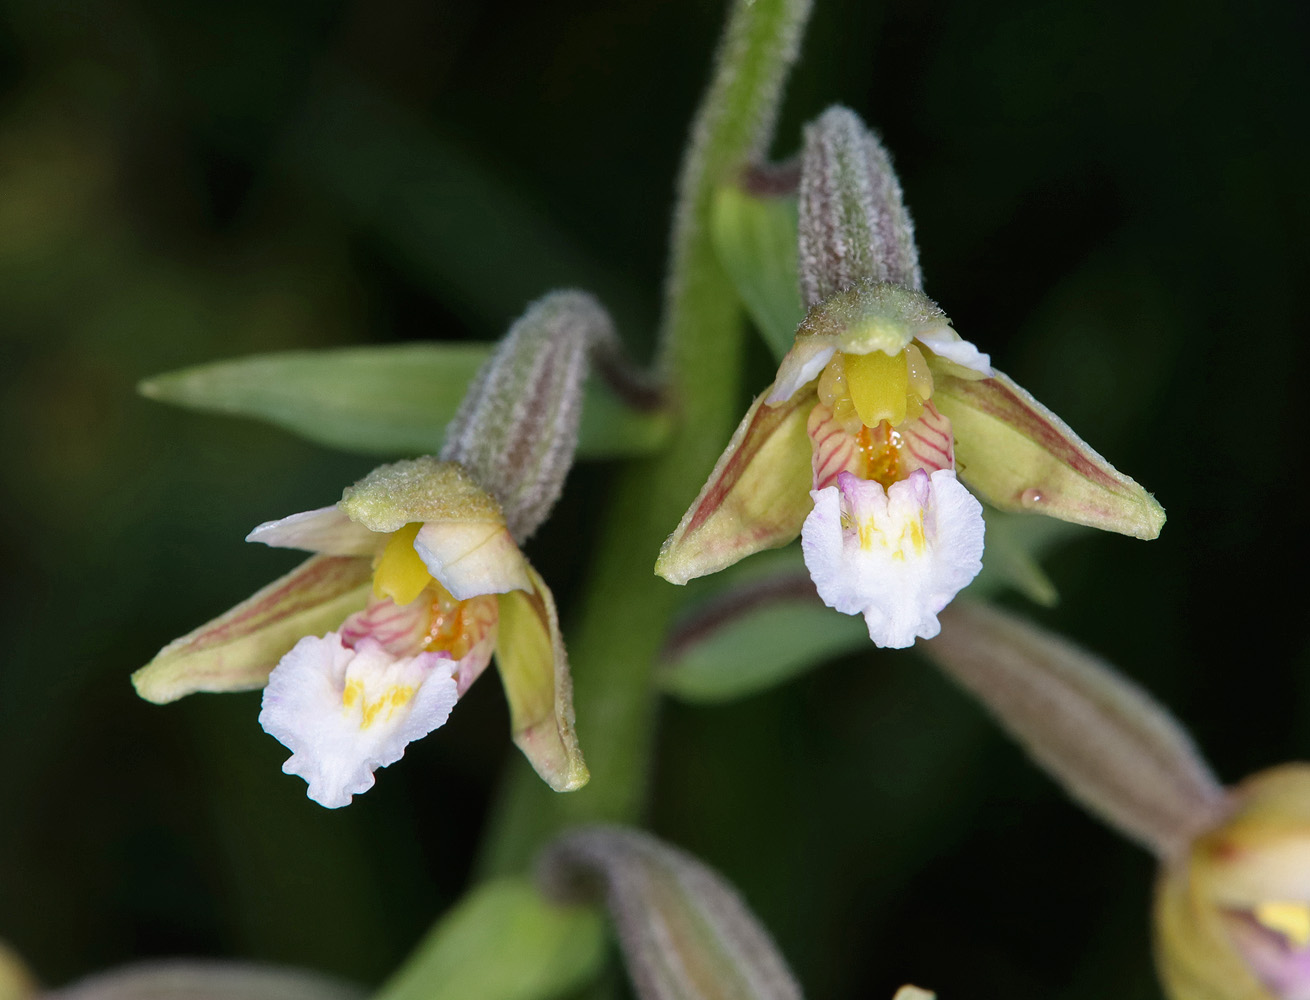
626 609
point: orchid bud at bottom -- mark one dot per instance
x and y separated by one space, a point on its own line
1232 916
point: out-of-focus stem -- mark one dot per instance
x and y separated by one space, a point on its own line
626 610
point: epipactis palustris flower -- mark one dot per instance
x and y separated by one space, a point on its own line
877 413
368 645
1232 915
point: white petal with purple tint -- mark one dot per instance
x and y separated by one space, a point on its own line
946 343
344 712
327 530
897 556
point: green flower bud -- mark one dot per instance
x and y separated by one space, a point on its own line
854 226
517 429
685 931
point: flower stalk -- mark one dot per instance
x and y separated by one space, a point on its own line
626 611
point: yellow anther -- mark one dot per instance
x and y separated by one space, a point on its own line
1290 919
878 384
400 573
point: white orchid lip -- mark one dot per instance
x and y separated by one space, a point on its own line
345 711
896 555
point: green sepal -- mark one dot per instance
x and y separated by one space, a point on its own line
755 238
1019 456
238 649
390 400
756 496
534 670
503 941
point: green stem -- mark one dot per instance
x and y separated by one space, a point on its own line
626 610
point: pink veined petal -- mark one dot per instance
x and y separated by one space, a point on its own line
834 448
928 443
878 452
755 497
327 530
1019 456
400 629
413 628
344 712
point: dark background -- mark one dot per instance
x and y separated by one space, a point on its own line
1109 199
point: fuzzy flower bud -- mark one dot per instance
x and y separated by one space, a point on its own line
854 226
517 428
685 932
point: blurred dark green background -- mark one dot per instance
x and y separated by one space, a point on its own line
1109 198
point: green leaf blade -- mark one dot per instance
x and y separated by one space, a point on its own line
388 401
503 941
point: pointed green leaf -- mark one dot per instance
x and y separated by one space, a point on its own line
503 941
755 238
390 400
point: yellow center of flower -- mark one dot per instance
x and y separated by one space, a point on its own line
400 573
458 626
1288 918
387 702
897 536
875 387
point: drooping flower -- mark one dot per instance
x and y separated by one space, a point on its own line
369 644
417 579
876 407
877 388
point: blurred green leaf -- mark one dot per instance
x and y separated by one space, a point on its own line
503 941
391 400
186 979
1014 544
755 237
762 628
763 623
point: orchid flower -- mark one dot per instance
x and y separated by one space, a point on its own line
416 581
857 445
879 417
